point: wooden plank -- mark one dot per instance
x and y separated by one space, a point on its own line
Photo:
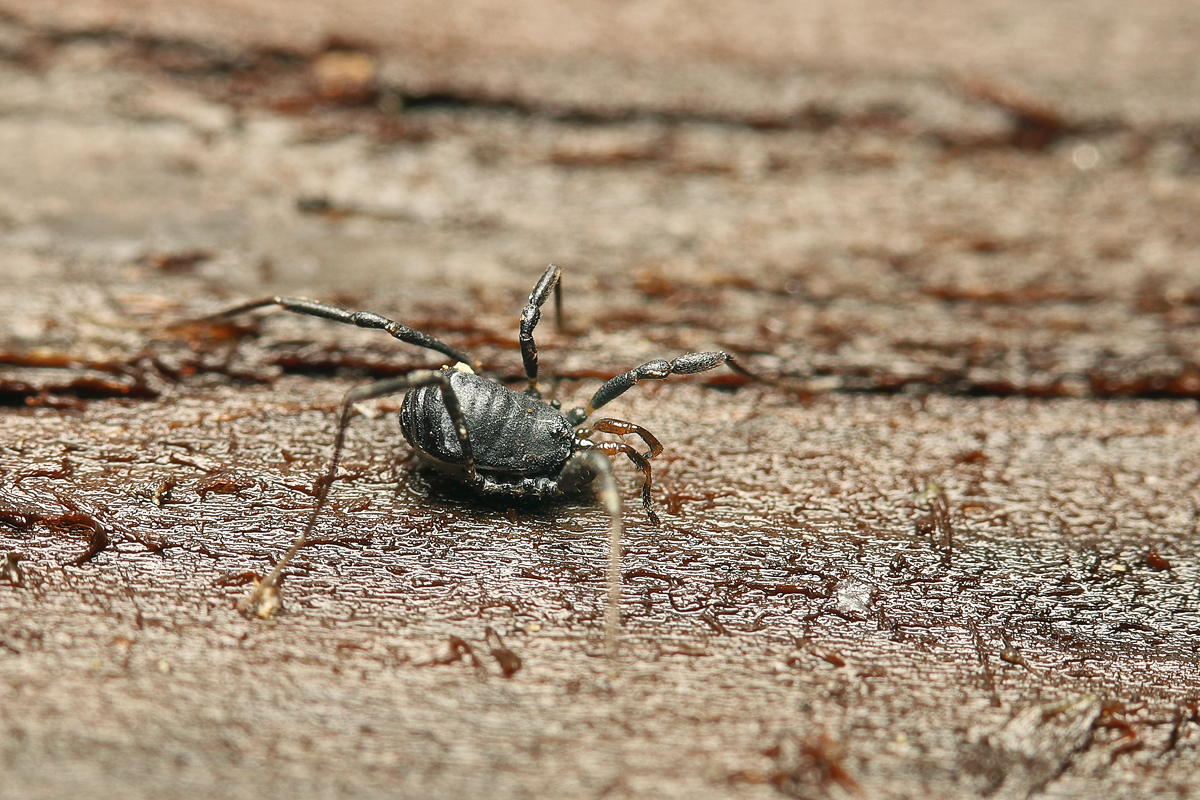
958 559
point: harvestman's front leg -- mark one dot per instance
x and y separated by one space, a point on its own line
658 370
257 602
530 317
579 470
363 319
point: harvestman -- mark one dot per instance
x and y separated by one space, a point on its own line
496 440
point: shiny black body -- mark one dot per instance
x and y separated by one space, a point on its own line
519 442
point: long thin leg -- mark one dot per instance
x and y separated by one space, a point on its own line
581 468
622 428
643 464
363 319
532 314
268 586
660 370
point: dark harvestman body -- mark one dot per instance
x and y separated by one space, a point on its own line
494 439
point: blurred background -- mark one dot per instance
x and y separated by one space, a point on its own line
991 197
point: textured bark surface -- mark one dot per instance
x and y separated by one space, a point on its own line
955 559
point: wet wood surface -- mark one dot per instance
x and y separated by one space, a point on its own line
955 557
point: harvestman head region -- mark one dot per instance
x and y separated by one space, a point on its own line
495 440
